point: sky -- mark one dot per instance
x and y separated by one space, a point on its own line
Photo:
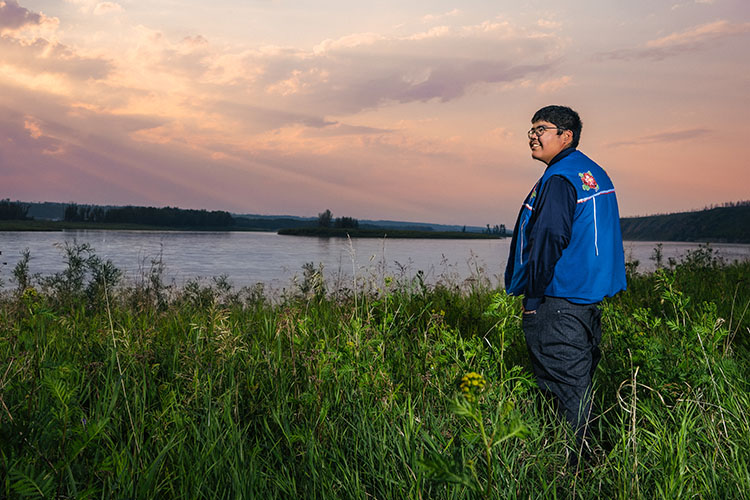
412 111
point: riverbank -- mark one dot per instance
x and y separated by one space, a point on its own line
208 391
725 224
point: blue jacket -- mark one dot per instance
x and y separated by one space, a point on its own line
588 263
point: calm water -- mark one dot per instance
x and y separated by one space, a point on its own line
250 258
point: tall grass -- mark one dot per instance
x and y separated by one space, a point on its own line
141 391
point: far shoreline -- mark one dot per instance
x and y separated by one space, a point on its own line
322 232
52 226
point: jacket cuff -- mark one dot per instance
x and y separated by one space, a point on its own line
532 303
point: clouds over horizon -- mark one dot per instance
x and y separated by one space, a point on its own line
364 71
202 89
417 112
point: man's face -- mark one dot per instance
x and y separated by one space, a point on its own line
546 147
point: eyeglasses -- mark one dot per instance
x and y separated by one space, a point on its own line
539 131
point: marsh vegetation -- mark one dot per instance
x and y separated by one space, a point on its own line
385 387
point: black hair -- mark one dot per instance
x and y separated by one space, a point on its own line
562 117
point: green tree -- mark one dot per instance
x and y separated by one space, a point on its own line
346 222
71 213
324 218
13 210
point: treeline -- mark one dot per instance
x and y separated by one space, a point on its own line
271 224
13 210
729 204
150 216
729 223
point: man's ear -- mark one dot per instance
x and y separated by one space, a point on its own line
568 137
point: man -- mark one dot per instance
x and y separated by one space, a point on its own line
565 257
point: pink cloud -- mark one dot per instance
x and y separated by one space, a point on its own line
429 18
13 16
107 7
42 56
699 35
555 84
692 40
664 137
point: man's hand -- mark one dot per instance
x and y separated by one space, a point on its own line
523 309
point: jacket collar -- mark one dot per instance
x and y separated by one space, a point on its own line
562 154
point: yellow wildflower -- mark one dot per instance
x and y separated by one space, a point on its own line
472 385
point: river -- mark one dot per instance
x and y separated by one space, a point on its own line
247 258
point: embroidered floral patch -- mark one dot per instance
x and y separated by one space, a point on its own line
588 181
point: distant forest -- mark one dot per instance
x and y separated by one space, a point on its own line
50 216
11 210
726 223
149 216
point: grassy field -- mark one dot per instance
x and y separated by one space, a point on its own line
386 389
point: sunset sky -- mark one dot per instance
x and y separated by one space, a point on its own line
411 111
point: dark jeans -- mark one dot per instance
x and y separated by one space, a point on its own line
563 342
